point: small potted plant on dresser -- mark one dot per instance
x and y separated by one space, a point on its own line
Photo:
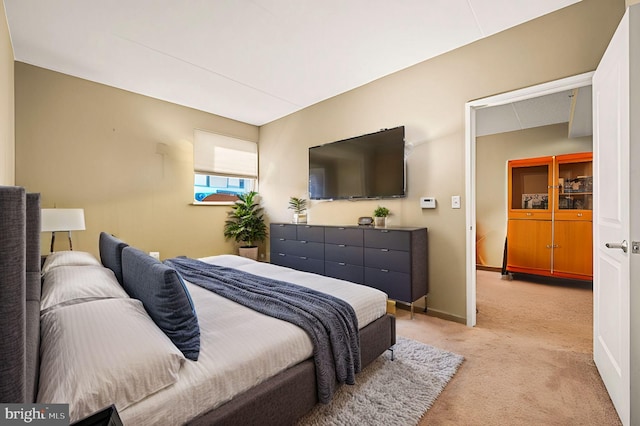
380 216
245 224
299 207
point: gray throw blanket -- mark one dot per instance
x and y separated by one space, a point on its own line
330 322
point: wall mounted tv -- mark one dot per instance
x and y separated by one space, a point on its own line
367 166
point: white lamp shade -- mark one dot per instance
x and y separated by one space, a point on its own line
62 220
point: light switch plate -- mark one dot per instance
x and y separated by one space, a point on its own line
455 201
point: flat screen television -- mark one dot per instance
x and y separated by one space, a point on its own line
367 166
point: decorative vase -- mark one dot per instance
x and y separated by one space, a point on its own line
380 222
249 252
299 218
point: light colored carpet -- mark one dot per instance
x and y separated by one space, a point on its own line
389 392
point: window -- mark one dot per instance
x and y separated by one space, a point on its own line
223 167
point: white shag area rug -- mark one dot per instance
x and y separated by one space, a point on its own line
390 392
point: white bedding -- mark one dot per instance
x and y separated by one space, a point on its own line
240 348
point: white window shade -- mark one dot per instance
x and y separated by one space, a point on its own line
224 156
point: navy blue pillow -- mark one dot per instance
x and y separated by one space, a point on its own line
165 298
111 253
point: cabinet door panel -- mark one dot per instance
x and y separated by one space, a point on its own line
344 271
393 260
529 246
573 252
397 285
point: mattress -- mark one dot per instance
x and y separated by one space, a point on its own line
240 348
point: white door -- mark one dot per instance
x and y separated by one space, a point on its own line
611 280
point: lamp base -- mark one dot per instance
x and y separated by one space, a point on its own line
53 239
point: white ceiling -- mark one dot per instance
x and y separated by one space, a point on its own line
250 60
571 106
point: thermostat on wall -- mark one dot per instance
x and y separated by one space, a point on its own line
428 203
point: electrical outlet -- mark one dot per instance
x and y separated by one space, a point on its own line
155 254
455 202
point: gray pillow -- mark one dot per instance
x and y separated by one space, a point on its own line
111 253
165 298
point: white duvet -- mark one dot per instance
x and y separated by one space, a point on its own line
240 348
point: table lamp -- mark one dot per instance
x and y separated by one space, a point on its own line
67 220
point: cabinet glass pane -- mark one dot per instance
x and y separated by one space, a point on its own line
575 183
529 187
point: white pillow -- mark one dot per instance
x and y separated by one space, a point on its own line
73 284
65 258
103 352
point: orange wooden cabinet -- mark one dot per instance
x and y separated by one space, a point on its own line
549 211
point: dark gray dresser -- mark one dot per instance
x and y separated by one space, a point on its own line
394 260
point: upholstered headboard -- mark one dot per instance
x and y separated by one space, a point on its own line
19 294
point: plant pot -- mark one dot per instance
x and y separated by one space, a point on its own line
380 222
299 218
249 252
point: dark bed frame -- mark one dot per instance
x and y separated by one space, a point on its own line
278 401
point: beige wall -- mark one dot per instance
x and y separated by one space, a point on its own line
87 145
429 100
492 153
7 145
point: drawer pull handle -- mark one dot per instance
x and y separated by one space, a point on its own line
304 258
341 263
384 270
385 250
281 254
529 214
303 242
341 228
341 245
384 231
281 239
579 214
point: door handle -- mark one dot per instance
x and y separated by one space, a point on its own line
623 245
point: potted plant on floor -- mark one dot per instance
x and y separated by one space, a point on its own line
299 207
380 216
245 224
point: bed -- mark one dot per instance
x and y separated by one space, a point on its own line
203 380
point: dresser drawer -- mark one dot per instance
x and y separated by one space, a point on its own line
307 249
346 236
397 285
283 230
343 254
311 233
389 239
283 245
279 258
344 271
393 260
307 264
296 262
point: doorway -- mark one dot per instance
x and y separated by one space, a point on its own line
471 110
